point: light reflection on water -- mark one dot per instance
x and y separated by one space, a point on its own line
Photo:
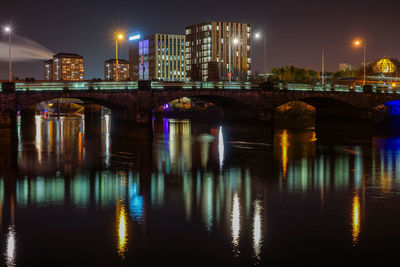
193 173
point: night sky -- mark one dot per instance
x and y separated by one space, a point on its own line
296 30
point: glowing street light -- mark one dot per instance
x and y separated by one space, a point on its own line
8 31
119 37
259 36
358 43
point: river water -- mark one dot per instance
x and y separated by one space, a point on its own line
196 195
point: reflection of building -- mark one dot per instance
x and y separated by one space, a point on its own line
158 57
48 70
110 67
68 67
210 45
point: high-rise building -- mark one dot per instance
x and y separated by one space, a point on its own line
68 67
48 70
158 57
217 50
110 67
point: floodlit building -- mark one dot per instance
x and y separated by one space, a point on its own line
68 67
344 66
216 50
48 70
110 67
158 57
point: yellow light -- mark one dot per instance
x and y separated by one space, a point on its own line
393 85
356 219
285 146
122 231
120 36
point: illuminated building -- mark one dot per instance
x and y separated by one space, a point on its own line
211 46
158 57
384 66
344 66
110 67
68 67
48 70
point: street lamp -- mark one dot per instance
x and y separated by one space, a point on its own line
258 36
358 43
8 30
119 37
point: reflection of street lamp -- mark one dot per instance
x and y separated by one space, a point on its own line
119 37
235 42
8 30
358 43
258 36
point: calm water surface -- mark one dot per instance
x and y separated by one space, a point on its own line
195 195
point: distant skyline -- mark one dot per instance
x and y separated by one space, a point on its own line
296 30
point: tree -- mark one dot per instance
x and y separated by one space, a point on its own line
291 74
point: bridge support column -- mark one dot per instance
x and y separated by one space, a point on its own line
132 124
93 114
9 139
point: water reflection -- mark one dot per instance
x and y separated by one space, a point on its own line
356 216
220 148
235 224
194 180
11 246
122 230
257 229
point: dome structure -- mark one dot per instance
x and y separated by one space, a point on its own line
384 66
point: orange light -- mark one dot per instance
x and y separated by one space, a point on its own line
393 85
357 43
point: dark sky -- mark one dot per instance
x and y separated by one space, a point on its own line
296 30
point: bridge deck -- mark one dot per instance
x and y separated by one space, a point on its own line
159 85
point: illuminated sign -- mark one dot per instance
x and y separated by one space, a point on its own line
134 37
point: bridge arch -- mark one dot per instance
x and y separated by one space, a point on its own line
27 101
329 108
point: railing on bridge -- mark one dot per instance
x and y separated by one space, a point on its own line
105 85
157 85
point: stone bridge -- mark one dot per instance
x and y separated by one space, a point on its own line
241 101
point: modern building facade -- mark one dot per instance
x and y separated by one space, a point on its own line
68 67
158 57
110 67
48 70
217 50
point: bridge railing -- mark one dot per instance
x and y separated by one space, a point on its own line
158 85
59 86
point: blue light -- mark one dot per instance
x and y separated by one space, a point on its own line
394 107
135 37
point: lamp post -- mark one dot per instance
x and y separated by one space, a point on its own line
119 37
358 43
258 36
8 31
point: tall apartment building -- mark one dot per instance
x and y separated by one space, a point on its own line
68 67
110 67
158 57
48 70
213 48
